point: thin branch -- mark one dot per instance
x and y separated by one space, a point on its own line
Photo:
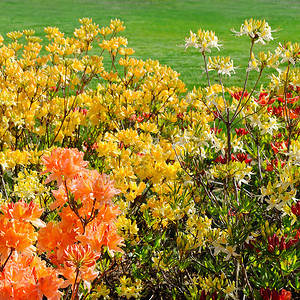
8 257
245 84
247 280
3 183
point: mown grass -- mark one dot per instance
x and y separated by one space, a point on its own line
155 28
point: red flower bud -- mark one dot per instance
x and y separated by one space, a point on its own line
282 245
241 131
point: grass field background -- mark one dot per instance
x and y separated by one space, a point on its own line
155 28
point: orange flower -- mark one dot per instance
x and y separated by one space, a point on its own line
49 238
22 211
79 264
53 240
69 221
93 190
99 234
279 146
60 196
16 235
108 213
28 278
63 164
49 286
103 188
87 275
80 257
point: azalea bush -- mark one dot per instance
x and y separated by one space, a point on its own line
118 183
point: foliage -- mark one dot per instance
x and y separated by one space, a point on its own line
204 184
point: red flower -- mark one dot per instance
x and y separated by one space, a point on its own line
289 98
140 119
132 117
222 159
273 164
264 99
215 130
268 294
238 95
277 111
241 131
296 209
279 146
180 116
243 157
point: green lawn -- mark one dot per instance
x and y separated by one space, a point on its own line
156 28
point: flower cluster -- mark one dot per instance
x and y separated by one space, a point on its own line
202 41
87 217
24 275
73 245
222 65
258 30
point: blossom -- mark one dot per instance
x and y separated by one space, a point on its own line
289 52
273 294
28 277
15 235
191 41
202 40
103 232
289 98
223 65
295 208
268 60
253 64
80 257
243 157
53 240
264 99
230 251
258 30
241 131
129 288
23 212
92 189
86 275
63 164
60 196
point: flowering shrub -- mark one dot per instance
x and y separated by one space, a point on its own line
151 192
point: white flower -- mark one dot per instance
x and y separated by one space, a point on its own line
287 52
258 30
203 41
191 41
253 64
223 65
230 251
270 126
264 35
218 248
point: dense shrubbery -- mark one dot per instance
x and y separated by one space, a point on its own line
153 193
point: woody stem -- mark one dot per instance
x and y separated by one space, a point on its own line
75 286
8 257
